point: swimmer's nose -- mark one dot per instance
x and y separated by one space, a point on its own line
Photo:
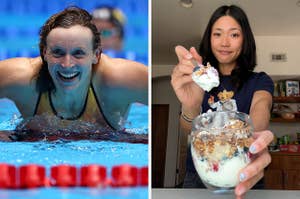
67 61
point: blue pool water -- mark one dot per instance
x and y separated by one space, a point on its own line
74 193
77 153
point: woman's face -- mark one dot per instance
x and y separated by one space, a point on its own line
226 40
69 54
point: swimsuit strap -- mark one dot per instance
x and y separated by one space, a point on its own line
91 111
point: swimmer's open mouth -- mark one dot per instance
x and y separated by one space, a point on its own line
68 76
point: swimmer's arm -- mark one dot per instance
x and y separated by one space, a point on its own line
17 82
6 136
126 75
260 110
18 71
135 80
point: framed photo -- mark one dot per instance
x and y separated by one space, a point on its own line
292 87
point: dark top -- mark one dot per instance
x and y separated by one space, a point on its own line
243 97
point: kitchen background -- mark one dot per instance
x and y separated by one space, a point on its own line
275 24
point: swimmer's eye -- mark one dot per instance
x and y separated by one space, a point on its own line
57 53
78 53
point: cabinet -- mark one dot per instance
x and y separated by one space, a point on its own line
283 172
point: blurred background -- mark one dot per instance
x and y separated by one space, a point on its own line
21 20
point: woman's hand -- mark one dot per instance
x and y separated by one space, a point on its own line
250 175
188 92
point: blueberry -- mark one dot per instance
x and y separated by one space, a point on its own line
196 68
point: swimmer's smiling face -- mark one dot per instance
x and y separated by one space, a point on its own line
70 55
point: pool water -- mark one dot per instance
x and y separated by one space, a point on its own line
76 153
76 193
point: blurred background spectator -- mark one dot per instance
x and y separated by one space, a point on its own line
110 22
20 22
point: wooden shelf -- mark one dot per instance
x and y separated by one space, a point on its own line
281 120
286 99
284 153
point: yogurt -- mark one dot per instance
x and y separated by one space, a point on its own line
220 173
207 77
219 154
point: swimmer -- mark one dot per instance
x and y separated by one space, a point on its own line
72 79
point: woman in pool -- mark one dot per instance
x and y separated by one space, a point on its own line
227 44
72 79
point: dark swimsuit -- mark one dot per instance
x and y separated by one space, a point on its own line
91 112
47 127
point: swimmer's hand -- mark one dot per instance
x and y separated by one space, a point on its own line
7 136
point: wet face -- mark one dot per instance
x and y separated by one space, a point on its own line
226 40
110 35
69 54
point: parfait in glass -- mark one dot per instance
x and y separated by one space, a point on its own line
220 148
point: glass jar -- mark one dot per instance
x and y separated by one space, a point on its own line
220 148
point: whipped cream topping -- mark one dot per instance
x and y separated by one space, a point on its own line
207 77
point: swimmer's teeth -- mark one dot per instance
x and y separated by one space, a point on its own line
68 76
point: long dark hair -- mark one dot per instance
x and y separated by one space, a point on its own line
67 18
246 61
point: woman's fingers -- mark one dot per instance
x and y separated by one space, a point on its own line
182 69
186 57
250 175
195 55
244 186
255 166
240 196
177 82
262 140
182 53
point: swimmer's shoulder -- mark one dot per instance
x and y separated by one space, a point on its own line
118 71
20 69
21 64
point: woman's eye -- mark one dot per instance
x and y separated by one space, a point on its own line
235 35
216 34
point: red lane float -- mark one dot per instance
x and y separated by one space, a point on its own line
143 176
93 176
124 175
7 176
32 176
64 175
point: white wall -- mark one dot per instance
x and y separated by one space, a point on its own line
290 45
266 45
